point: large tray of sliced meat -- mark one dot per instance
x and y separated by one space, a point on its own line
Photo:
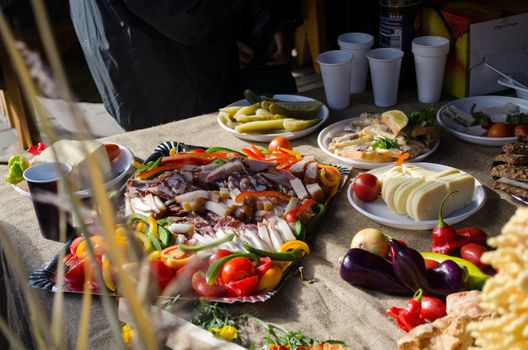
231 226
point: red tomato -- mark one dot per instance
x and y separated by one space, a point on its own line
75 244
474 234
432 308
500 130
220 253
242 287
264 265
520 130
472 253
163 273
431 263
279 142
201 287
237 269
367 187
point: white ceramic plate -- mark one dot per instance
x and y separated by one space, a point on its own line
290 135
481 102
336 129
121 168
379 212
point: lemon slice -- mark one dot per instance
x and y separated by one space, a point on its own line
396 120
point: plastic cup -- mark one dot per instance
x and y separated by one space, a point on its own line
43 180
359 44
385 66
430 54
335 70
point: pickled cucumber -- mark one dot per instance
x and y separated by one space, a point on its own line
260 126
296 124
296 109
252 97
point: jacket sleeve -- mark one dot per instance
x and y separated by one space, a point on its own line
187 22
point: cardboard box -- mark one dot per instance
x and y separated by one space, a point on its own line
480 31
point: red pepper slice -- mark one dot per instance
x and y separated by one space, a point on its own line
37 150
264 265
257 152
194 158
251 154
294 213
150 173
197 150
270 194
244 287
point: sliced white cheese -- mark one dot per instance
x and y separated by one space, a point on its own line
402 194
416 171
425 200
391 187
464 184
396 171
442 173
72 152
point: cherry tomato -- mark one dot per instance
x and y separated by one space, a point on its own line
500 130
75 244
201 287
430 264
279 142
242 287
520 130
184 274
112 150
163 273
472 253
474 234
432 308
220 253
237 268
367 187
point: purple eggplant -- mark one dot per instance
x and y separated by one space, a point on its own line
364 269
449 276
409 266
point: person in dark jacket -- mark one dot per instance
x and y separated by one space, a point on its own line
158 61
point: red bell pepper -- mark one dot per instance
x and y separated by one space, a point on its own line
192 158
150 173
256 194
294 213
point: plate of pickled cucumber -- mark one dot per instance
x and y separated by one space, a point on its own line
261 118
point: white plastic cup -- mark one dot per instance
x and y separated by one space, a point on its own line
359 44
385 65
430 54
335 70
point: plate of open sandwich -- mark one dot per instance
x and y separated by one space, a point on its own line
510 170
374 140
485 120
411 195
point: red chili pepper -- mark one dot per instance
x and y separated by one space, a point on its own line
445 237
474 235
251 155
194 158
271 194
264 265
410 316
294 213
149 173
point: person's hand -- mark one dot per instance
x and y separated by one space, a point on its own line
245 54
279 51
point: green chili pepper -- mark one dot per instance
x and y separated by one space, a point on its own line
155 243
227 238
16 166
165 222
263 149
165 236
300 232
218 161
216 267
292 255
223 149
136 217
150 165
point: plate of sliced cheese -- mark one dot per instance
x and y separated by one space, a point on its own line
376 140
411 195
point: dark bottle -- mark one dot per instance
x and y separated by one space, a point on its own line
398 19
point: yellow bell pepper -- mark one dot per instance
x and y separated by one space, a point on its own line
106 270
295 244
153 224
270 279
172 152
174 257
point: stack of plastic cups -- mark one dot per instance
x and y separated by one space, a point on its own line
385 66
430 54
359 44
335 71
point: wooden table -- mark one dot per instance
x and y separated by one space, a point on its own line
328 308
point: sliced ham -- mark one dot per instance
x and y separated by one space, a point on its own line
218 208
192 196
258 165
284 229
310 174
316 192
298 187
181 228
264 235
224 171
299 167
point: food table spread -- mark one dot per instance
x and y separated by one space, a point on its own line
326 308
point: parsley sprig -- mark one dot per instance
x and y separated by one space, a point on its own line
384 143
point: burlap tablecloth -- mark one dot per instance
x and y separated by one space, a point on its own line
327 308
